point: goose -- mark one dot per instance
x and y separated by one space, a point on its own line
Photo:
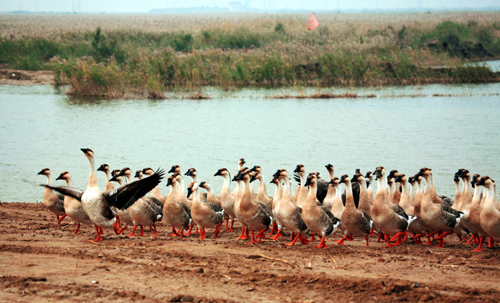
405 202
475 211
465 205
439 216
356 221
369 178
176 213
318 219
212 198
394 188
413 189
155 193
290 214
490 215
302 196
72 206
332 190
278 194
254 214
181 194
146 211
390 218
206 214
122 215
364 199
105 168
194 176
52 201
97 203
138 174
338 206
262 191
417 206
458 193
241 162
226 198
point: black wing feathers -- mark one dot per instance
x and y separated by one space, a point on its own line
66 191
126 195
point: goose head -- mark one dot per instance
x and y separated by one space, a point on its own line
127 172
171 179
311 180
88 153
329 168
465 174
104 167
148 171
254 176
64 176
204 185
393 174
300 169
116 178
115 172
369 175
334 181
318 175
222 172
475 180
241 162
191 172
411 180
275 181
424 172
175 169
344 179
485 181
379 172
281 173
138 174
358 178
257 169
358 171
45 172
402 179
456 177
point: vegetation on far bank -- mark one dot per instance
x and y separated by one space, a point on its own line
113 57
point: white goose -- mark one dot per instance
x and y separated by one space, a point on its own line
72 206
97 204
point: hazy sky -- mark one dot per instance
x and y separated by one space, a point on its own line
142 6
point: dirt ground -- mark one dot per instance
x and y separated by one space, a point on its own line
43 262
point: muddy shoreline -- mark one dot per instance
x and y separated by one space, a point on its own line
45 262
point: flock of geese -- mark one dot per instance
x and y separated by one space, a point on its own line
401 205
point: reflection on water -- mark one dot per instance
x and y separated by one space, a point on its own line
39 127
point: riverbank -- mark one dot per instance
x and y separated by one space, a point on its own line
144 56
47 262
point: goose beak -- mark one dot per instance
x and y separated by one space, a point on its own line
398 179
252 178
40 172
217 173
353 179
297 169
481 182
169 182
172 170
189 192
59 178
308 182
378 174
114 178
188 173
277 174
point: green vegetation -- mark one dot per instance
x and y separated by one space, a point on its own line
110 62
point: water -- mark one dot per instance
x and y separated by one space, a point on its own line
41 127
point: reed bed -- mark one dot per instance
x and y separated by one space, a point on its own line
145 55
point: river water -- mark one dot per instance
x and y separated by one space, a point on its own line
403 128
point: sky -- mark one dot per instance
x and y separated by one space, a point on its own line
143 6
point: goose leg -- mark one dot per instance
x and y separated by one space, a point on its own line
441 236
244 234
341 241
203 234
294 240
101 231
60 219
274 228
174 232
312 236
77 228
481 240
322 243
98 238
261 235
155 234
470 240
182 232
303 240
120 231
366 237
227 223
276 236
231 227
253 240
380 236
217 230
491 243
291 236
189 231
142 231
132 234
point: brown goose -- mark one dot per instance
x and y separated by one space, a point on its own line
176 213
475 212
318 219
53 202
254 214
278 194
390 218
394 187
155 193
438 216
206 214
72 206
105 168
490 215
291 215
262 191
405 202
302 196
465 205
332 190
97 204
356 222
226 198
